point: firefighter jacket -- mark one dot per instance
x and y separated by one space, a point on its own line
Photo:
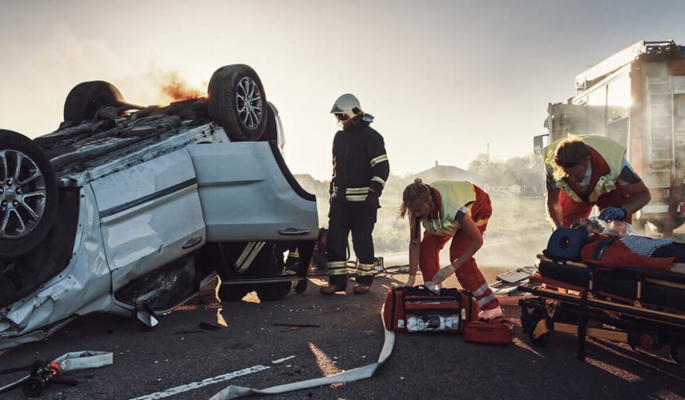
607 252
606 157
360 162
453 196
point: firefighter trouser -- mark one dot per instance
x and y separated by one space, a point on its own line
574 210
343 218
468 275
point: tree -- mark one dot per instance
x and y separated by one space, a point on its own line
525 171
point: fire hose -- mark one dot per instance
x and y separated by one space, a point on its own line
42 374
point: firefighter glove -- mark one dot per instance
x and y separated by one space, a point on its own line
443 274
410 281
372 200
612 214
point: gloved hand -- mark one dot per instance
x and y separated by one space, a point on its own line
372 200
612 214
443 274
410 281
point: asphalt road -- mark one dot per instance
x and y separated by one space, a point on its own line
205 346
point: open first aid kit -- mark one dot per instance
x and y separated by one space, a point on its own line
418 309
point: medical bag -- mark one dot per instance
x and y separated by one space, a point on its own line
417 309
493 331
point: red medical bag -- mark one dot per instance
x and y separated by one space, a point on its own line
494 331
417 309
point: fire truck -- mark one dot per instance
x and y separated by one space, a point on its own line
637 98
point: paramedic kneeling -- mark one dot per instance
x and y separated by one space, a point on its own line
456 210
583 171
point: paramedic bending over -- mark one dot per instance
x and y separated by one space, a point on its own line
456 210
583 171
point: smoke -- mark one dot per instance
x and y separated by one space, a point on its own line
174 88
177 89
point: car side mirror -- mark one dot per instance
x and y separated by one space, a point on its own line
145 317
539 143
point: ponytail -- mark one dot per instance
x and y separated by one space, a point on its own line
413 193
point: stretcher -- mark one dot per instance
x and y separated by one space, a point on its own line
633 305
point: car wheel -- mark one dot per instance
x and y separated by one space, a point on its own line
85 99
28 194
237 102
233 292
273 291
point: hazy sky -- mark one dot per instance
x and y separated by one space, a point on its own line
446 80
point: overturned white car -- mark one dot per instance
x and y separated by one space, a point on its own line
131 210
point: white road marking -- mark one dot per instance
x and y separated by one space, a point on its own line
280 360
205 382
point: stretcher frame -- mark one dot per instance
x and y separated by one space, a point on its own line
584 307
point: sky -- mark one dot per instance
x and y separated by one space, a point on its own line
445 80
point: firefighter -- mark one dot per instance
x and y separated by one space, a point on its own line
583 171
456 210
360 170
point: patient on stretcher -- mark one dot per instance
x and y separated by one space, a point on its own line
615 246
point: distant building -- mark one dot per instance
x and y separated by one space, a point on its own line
445 173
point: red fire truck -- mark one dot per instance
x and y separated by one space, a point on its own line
636 97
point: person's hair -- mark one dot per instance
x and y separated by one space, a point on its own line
584 223
570 152
414 193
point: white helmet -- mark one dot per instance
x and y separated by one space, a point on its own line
347 106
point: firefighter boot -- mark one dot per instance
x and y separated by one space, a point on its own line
330 289
361 288
336 283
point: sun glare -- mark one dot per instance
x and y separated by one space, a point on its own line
326 365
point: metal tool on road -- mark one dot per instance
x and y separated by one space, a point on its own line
43 374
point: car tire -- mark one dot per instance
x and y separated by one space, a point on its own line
237 102
233 292
85 99
28 202
273 291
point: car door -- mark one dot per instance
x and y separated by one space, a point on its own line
150 215
247 194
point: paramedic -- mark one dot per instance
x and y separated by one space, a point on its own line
360 170
583 171
456 210
630 251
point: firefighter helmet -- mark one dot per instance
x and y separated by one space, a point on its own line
347 106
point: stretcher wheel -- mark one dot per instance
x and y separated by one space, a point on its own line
540 341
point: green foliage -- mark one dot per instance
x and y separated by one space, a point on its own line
526 172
